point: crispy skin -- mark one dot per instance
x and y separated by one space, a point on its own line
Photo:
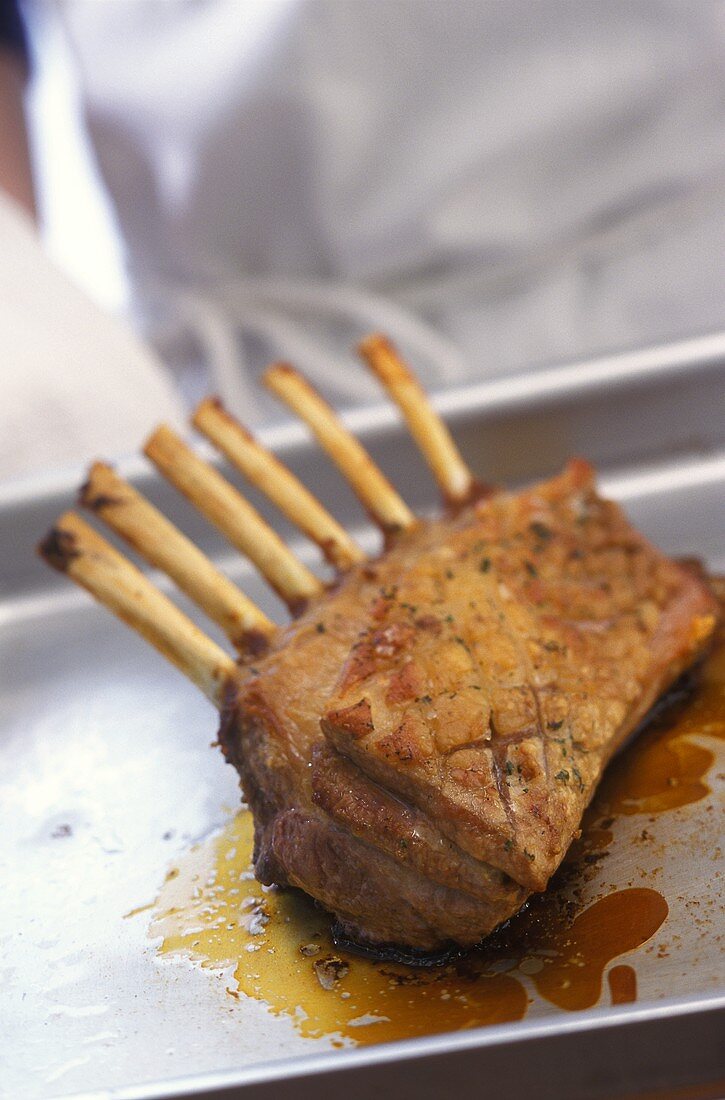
419 748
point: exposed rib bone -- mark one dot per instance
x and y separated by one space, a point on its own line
367 480
234 516
73 547
150 533
426 427
278 483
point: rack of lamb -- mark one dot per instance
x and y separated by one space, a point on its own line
419 743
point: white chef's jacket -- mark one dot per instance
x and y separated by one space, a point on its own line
498 183
495 183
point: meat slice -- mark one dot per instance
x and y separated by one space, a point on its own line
419 745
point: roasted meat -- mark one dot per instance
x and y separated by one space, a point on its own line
419 745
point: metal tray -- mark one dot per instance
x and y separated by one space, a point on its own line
96 733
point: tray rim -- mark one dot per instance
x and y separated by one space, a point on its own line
301 1067
572 380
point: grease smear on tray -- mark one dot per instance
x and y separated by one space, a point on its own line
277 944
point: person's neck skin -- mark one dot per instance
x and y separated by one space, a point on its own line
16 176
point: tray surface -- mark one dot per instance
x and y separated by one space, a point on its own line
108 781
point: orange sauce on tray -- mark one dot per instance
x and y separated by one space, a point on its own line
275 946
663 769
280 946
622 985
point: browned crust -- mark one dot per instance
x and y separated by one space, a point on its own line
505 794
395 827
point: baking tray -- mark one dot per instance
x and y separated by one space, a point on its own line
107 778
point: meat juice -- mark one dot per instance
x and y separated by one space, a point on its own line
276 946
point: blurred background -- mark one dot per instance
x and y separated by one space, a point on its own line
190 189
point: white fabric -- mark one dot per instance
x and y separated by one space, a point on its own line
507 183
76 383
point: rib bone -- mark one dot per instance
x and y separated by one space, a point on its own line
369 483
234 516
272 477
426 427
75 548
149 532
